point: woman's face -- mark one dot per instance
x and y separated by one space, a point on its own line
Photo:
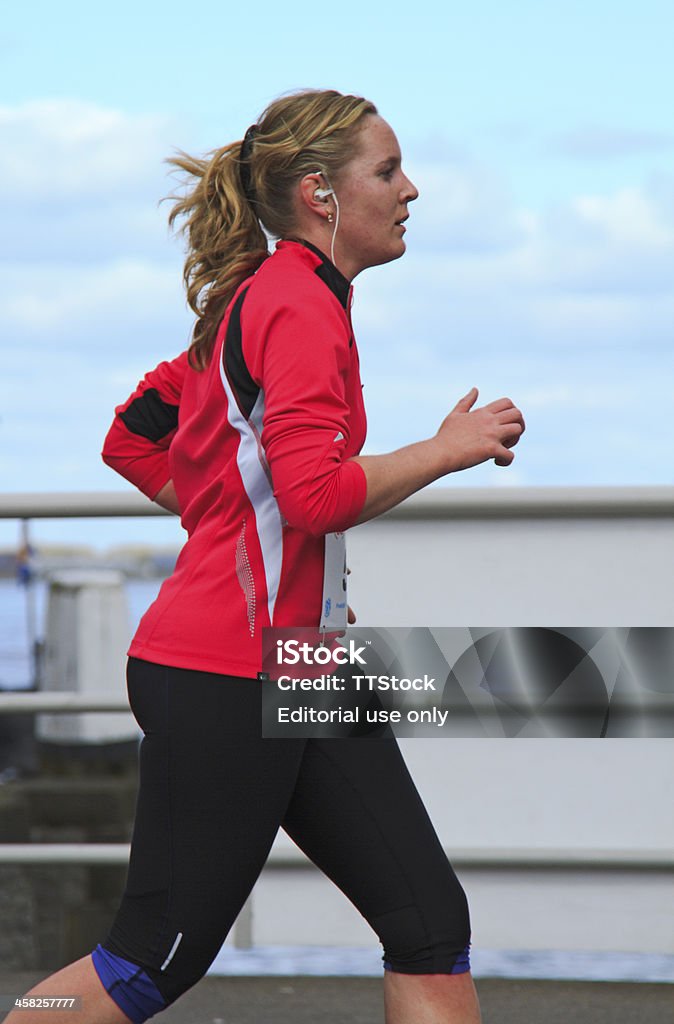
373 194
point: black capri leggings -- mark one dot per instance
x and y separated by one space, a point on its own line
213 794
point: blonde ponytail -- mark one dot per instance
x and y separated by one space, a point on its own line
225 241
296 134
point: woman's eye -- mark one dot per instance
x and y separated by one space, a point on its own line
387 175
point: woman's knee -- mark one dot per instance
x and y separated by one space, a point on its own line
428 939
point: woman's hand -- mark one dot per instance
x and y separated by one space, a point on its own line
466 438
470 436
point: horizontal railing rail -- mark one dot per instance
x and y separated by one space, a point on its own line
572 858
492 858
434 502
61 702
56 703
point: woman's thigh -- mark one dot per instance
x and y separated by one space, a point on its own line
357 814
211 798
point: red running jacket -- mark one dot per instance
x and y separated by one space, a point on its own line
258 448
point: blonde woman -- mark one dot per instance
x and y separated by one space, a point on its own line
253 437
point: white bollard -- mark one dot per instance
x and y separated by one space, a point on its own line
87 635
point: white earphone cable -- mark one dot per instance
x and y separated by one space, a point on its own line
334 230
322 194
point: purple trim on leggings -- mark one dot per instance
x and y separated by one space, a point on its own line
128 985
461 966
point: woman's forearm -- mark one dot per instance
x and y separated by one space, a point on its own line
466 438
393 477
166 497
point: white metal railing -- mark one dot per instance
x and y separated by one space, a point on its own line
56 702
484 859
477 858
77 505
433 503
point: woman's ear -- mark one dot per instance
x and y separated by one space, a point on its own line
315 196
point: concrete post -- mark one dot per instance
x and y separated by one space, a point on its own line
87 634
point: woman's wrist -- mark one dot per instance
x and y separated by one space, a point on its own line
395 476
166 497
442 457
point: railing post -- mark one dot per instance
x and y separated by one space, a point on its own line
243 926
26 576
87 635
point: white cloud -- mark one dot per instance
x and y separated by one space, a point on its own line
596 271
80 304
572 319
82 183
462 206
87 256
600 142
58 149
566 309
627 217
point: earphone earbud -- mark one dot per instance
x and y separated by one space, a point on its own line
323 193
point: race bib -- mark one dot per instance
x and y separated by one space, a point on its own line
334 611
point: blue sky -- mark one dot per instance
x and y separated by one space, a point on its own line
540 253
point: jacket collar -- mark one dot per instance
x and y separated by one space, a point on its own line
339 285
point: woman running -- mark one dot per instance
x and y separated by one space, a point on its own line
253 437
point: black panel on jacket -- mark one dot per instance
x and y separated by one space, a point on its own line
244 387
150 416
330 275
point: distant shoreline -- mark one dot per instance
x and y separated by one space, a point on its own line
134 561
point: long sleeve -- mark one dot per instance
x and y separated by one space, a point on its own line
137 444
307 367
